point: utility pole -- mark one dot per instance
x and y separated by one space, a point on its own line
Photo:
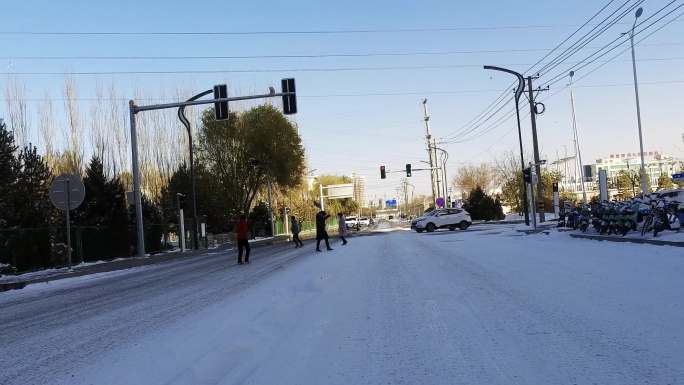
537 164
429 141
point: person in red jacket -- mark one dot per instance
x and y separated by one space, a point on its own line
242 235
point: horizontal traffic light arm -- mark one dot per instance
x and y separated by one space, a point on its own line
413 169
151 107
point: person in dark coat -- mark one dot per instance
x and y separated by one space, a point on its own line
295 232
242 235
321 233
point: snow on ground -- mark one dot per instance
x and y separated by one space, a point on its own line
484 306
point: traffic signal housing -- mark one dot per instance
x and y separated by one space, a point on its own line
383 174
289 97
408 170
221 108
527 175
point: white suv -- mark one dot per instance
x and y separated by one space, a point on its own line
443 218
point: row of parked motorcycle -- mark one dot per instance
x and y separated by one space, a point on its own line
644 215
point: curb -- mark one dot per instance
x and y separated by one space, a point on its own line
128 263
628 240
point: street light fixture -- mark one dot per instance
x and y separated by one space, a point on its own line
642 171
518 92
578 153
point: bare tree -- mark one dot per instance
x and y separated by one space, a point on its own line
98 133
17 111
73 155
47 129
471 176
118 128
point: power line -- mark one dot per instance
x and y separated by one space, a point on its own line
511 113
260 70
485 114
355 95
282 32
586 61
294 56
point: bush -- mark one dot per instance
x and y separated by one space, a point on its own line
482 206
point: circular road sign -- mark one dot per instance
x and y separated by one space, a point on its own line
440 202
67 188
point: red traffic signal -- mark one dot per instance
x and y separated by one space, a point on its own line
383 174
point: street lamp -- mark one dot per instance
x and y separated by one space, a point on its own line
518 92
186 123
642 171
578 153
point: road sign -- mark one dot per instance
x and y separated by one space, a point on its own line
67 193
391 203
67 188
678 177
440 202
340 191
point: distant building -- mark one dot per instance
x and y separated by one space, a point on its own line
655 164
359 182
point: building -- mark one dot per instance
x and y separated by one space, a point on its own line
655 164
359 182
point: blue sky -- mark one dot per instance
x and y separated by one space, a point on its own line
345 134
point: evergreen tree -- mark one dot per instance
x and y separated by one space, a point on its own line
9 174
483 206
24 205
153 228
102 218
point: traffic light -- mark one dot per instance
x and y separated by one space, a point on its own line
181 201
408 170
383 175
290 99
221 108
527 175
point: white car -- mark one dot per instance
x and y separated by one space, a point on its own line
350 221
673 195
443 218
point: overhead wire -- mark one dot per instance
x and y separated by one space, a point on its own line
485 114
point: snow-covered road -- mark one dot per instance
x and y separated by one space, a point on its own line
486 306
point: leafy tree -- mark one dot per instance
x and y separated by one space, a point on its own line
244 151
511 192
665 182
627 184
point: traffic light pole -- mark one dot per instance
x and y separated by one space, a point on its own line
133 110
